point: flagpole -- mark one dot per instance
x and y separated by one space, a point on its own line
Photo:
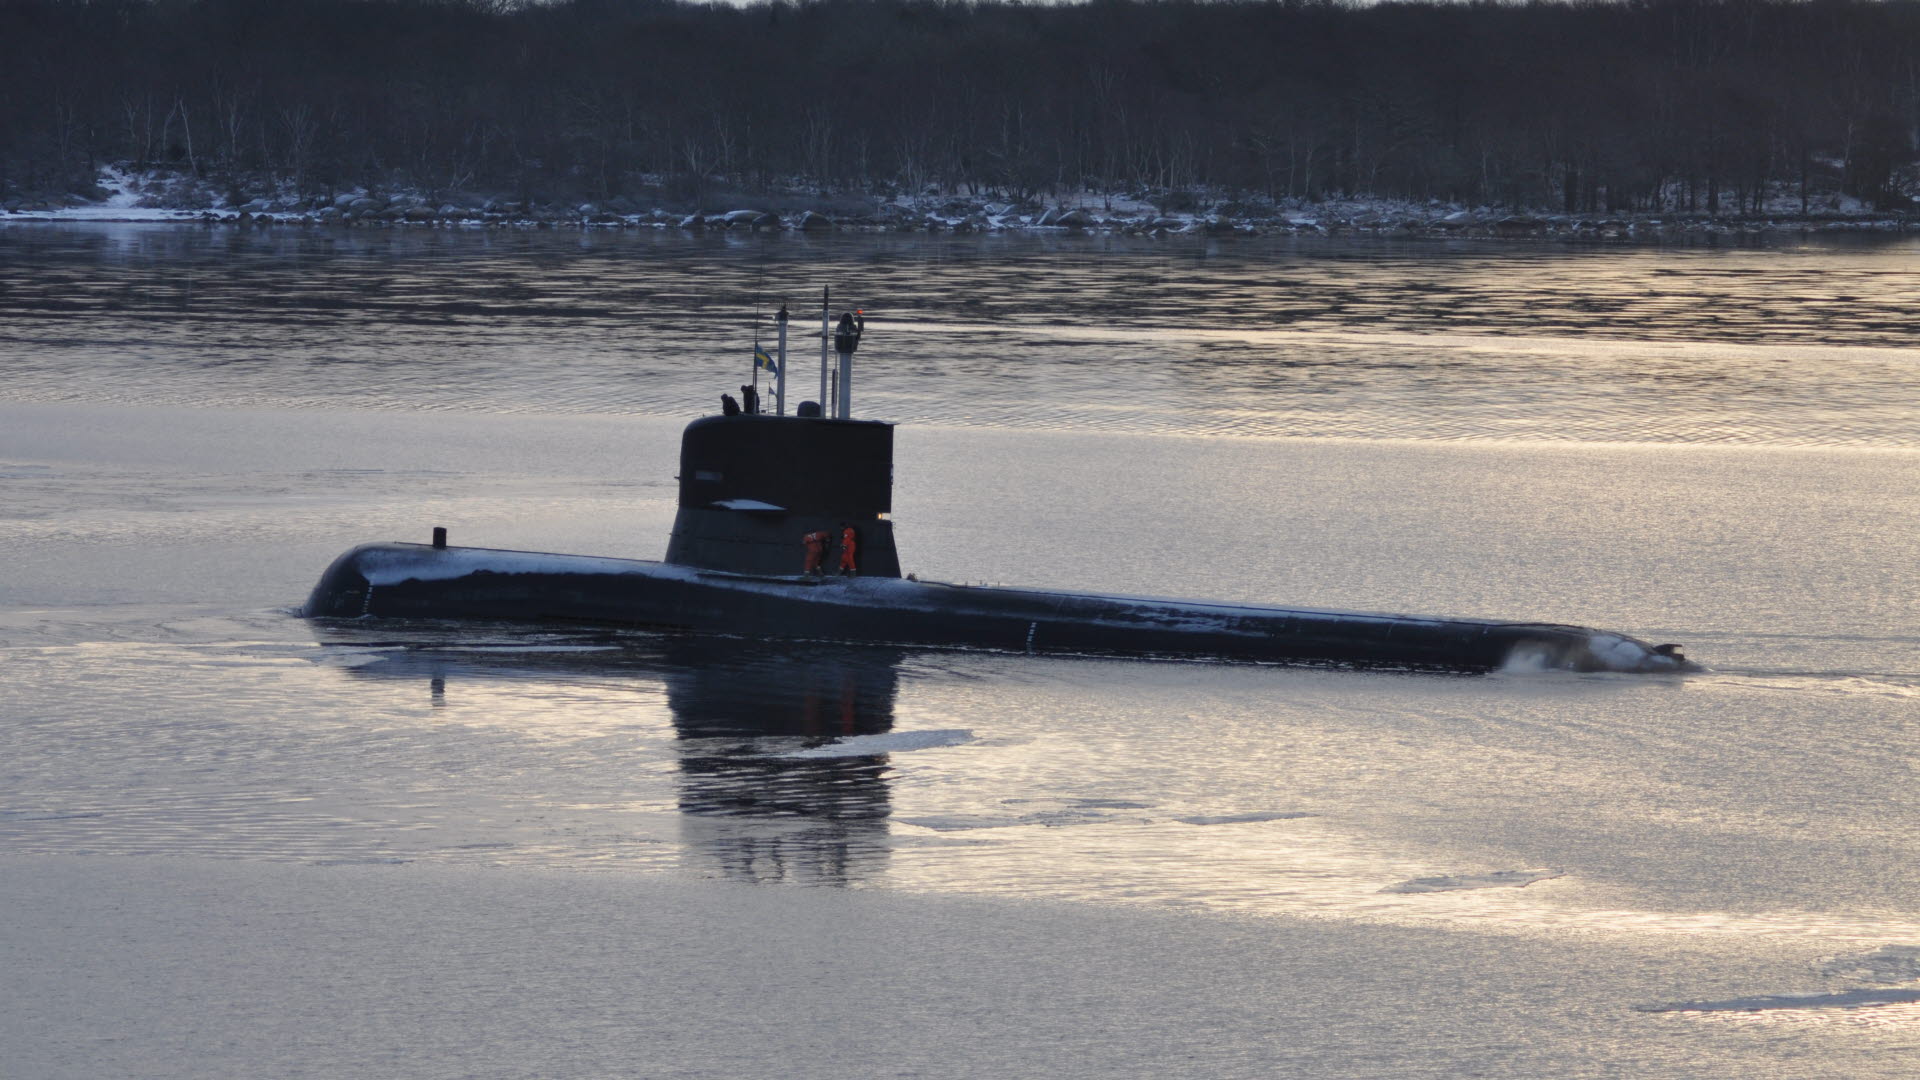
826 334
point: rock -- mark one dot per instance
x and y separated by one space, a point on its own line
812 222
363 205
1051 217
419 214
741 218
1076 219
693 221
1517 225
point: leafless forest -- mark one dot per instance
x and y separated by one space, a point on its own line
1703 106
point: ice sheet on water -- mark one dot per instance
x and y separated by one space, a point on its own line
1845 999
1240 819
1887 1003
1045 812
963 822
892 742
1498 879
1888 965
1081 804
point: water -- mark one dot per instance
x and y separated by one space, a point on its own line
1778 345
1713 446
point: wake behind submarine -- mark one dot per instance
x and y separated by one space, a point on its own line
783 531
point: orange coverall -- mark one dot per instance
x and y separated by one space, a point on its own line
816 542
846 550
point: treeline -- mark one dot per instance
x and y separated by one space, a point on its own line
1661 105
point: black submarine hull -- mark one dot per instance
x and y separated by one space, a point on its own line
420 581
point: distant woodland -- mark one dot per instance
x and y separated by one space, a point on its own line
1700 106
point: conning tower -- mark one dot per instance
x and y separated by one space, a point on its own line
753 485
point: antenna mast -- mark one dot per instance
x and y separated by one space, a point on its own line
780 373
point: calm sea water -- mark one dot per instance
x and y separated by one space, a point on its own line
1714 446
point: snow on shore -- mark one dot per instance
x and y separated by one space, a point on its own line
155 197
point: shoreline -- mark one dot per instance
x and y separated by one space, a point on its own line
1562 227
125 196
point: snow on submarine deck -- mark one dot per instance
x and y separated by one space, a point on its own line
420 581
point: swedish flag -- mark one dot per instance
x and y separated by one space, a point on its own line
763 362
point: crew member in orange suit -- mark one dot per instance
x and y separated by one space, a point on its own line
816 542
847 546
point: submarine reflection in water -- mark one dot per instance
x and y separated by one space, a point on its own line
796 811
763 791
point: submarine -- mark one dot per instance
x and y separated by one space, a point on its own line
783 529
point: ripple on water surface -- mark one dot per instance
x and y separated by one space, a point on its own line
1784 344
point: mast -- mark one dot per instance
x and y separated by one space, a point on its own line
780 373
846 378
826 337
